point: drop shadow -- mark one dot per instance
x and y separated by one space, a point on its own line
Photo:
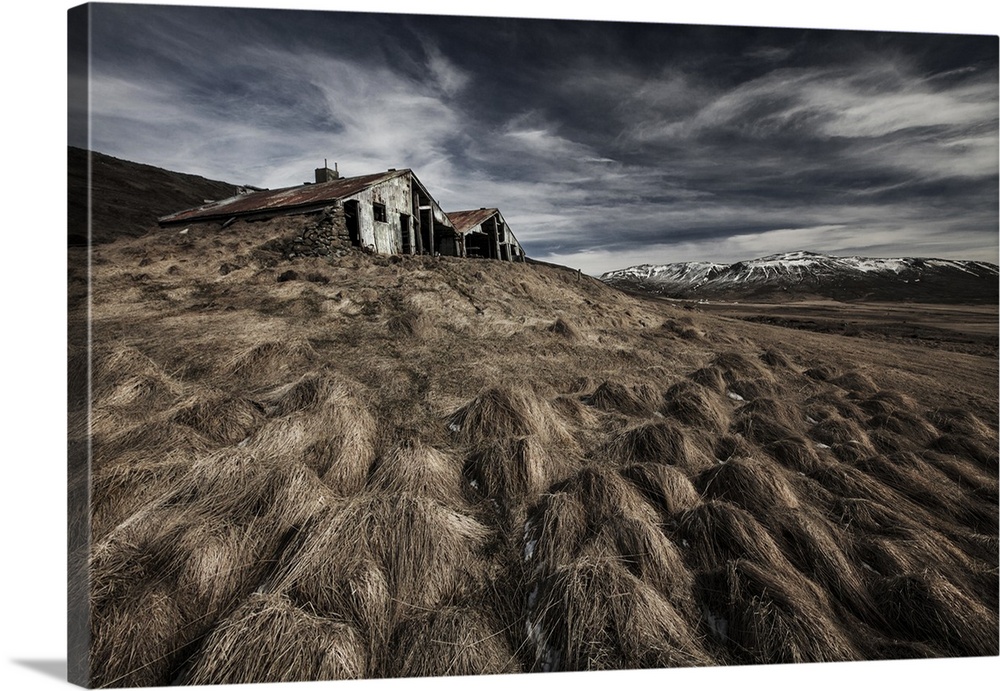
50 668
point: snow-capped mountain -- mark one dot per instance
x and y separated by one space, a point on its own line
807 274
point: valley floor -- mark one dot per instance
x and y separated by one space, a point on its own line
971 329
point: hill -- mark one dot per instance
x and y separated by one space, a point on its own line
127 197
805 275
397 466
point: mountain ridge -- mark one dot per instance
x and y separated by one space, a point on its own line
803 274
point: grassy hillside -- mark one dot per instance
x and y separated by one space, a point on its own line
126 198
424 466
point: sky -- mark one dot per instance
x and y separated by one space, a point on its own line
34 306
604 144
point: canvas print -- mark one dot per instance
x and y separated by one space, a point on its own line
412 345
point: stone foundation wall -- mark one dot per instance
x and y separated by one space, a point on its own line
323 235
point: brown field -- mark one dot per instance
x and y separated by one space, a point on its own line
383 467
969 329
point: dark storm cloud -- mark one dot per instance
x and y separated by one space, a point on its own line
602 143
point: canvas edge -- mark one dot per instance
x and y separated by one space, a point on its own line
78 369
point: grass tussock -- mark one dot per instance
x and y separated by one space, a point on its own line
767 420
410 324
736 366
451 641
856 382
565 329
923 606
968 448
605 494
845 437
887 402
913 548
556 530
797 454
710 377
574 412
833 403
321 422
379 558
141 394
961 422
775 359
647 554
966 475
118 364
194 553
270 362
694 405
766 617
664 486
225 419
754 389
613 396
507 413
512 472
138 442
929 488
908 426
412 467
122 489
752 484
271 640
867 517
682 328
137 640
844 482
823 553
821 372
592 614
716 532
662 441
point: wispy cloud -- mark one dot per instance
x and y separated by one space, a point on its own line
653 142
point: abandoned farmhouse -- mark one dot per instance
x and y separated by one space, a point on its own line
387 213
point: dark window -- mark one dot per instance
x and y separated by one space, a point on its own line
379 210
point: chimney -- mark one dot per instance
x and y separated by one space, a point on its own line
324 174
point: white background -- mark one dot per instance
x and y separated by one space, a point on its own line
34 335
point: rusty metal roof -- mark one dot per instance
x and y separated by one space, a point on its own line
286 199
465 221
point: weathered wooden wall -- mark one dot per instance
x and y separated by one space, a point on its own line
383 237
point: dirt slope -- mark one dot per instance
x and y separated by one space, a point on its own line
425 466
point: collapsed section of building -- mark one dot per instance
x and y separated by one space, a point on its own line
387 213
485 233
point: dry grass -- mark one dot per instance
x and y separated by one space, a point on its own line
429 466
695 406
755 485
766 420
507 413
636 399
418 469
765 617
664 486
925 606
657 442
451 641
513 472
716 532
319 421
592 614
380 558
269 640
